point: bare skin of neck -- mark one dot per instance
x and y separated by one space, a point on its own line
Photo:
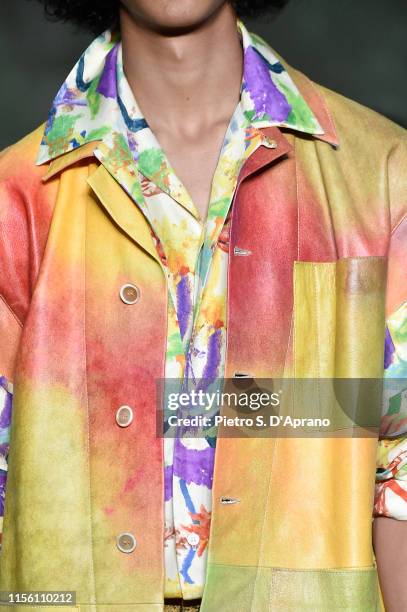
187 86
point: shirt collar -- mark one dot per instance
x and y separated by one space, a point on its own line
269 96
95 103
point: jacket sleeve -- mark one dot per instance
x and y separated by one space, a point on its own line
10 330
391 476
26 208
14 296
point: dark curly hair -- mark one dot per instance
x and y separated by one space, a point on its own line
98 15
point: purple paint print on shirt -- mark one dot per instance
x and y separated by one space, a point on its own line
266 97
389 349
184 304
168 471
3 482
5 412
194 465
68 97
211 369
108 84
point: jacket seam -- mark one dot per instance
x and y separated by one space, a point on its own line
400 222
333 262
262 539
389 193
324 104
2 298
297 193
357 568
87 414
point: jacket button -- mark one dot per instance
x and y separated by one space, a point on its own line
130 294
126 542
124 416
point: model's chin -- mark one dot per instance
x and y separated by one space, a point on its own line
175 16
177 27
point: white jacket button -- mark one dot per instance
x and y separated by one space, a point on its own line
126 542
124 416
129 294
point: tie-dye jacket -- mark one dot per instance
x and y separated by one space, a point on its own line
319 211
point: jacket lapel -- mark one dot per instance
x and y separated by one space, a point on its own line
111 196
66 160
278 147
122 210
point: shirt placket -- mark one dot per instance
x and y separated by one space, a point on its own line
180 247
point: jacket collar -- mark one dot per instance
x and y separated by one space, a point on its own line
95 104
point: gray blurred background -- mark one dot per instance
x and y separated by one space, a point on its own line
358 48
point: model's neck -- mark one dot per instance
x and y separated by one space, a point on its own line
184 77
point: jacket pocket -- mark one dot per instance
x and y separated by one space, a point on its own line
339 317
338 341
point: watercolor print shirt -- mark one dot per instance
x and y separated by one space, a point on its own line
96 103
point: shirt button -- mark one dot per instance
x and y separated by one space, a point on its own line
124 416
126 542
129 294
193 539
